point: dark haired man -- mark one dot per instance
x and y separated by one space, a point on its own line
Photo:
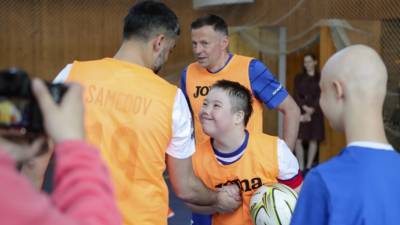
214 62
141 132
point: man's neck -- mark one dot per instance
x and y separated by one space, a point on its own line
220 63
132 52
230 142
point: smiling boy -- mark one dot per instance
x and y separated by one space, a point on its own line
234 155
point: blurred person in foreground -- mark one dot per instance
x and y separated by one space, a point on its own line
83 192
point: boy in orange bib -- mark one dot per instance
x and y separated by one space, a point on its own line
234 155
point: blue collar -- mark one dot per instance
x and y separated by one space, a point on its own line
238 151
226 63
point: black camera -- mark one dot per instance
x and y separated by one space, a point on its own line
19 110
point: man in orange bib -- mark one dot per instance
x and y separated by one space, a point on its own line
141 123
236 155
214 62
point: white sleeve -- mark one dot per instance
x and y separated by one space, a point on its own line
288 164
182 144
63 75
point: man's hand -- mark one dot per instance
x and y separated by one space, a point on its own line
61 122
229 199
233 191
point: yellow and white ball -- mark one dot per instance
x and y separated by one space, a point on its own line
273 205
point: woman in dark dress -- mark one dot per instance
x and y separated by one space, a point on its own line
306 95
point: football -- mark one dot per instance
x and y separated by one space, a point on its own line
273 205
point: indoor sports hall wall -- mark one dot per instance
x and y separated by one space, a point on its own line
42 36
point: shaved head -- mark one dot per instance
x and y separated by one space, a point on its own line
353 83
360 69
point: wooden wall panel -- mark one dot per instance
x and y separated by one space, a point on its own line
43 36
238 46
272 62
19 37
371 35
334 141
364 9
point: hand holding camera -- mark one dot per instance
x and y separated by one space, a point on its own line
29 110
63 121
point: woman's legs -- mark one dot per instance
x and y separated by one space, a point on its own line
312 152
299 150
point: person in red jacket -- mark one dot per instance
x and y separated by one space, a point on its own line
83 192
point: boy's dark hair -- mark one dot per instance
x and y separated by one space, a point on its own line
215 21
148 18
239 96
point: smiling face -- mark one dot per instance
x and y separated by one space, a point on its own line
216 114
208 46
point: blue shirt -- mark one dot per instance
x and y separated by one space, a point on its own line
359 186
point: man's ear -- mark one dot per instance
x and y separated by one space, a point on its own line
157 42
239 117
225 42
338 88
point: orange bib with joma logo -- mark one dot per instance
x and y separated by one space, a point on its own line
257 166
